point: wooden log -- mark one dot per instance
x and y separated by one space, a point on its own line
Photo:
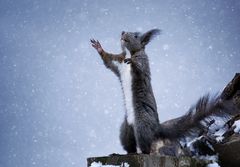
144 160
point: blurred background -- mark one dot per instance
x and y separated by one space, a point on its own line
58 102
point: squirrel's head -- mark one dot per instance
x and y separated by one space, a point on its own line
135 41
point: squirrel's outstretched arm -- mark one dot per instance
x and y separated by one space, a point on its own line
109 58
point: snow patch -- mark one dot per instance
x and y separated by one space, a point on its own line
219 134
213 165
213 158
237 124
219 138
99 164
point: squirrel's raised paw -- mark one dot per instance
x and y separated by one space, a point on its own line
96 45
128 60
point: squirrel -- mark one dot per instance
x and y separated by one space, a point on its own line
141 118
141 127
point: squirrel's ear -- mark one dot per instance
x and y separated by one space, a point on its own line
148 36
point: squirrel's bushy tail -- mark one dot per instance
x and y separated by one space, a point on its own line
199 116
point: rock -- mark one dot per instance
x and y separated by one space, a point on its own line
144 160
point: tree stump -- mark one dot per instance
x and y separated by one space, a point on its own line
144 160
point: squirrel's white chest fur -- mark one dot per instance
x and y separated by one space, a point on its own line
126 82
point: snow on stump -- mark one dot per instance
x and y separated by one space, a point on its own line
144 160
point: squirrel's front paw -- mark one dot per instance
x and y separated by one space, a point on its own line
128 60
96 45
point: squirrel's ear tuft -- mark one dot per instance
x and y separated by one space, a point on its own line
148 36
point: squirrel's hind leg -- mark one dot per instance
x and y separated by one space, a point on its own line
144 138
127 137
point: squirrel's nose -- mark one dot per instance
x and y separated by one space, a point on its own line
123 32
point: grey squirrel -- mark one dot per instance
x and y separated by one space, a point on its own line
141 127
141 118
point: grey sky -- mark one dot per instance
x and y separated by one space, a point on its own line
58 103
